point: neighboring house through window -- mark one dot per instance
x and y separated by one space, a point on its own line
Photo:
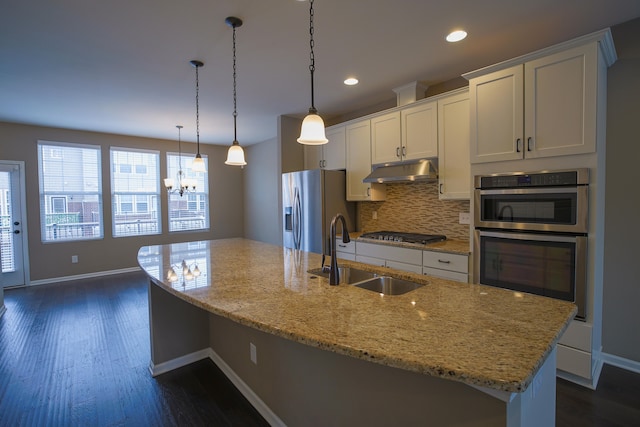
191 210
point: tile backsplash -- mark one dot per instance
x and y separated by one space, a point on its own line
415 207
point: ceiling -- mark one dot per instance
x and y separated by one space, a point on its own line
122 66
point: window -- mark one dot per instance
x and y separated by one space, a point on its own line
70 191
191 210
135 195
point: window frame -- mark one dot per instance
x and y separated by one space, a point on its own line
56 149
180 224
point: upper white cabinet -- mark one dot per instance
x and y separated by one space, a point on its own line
454 178
547 105
331 155
419 131
408 134
358 149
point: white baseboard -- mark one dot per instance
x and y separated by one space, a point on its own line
621 362
178 362
82 276
246 391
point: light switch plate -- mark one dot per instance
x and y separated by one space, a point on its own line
464 218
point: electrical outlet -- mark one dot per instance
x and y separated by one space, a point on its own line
464 218
74 259
375 215
253 353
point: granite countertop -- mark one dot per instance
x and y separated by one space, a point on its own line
476 334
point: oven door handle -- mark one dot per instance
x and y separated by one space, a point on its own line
551 190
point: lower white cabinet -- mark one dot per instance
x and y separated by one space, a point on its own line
440 264
446 265
346 250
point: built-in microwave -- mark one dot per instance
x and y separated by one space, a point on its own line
531 233
540 201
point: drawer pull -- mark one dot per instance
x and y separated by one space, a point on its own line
342 246
444 261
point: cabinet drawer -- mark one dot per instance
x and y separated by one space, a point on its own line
446 261
403 266
345 247
392 253
346 255
445 274
370 260
577 335
574 361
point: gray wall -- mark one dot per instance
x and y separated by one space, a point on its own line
262 210
621 300
53 260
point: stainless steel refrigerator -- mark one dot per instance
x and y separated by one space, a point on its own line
310 199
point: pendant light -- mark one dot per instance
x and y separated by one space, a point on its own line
198 162
235 155
185 185
312 131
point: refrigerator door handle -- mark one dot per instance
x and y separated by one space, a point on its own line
297 216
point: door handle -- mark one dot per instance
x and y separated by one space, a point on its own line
16 223
16 231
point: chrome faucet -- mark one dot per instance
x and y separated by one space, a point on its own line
334 274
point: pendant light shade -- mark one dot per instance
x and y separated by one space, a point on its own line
312 131
198 162
235 155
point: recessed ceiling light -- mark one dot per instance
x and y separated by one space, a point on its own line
456 36
351 81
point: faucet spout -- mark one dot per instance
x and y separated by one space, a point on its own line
334 274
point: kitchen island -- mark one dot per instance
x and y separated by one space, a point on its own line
306 353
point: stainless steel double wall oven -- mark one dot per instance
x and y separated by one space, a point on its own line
531 233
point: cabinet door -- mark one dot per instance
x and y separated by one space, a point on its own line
419 131
454 177
312 156
334 151
561 103
497 105
385 138
358 141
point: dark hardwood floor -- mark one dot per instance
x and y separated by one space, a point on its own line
77 354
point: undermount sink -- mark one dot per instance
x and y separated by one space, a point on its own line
388 285
371 281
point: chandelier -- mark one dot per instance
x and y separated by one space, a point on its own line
185 185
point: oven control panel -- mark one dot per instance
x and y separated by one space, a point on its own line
534 179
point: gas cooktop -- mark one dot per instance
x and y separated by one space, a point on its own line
394 236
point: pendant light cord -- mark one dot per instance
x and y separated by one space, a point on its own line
312 65
235 111
179 151
197 111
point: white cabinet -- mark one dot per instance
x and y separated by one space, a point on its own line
419 131
408 134
385 138
405 259
331 155
346 250
358 148
454 175
446 265
544 107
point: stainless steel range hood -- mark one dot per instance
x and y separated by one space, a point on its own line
417 170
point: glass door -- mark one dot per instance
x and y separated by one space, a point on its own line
12 226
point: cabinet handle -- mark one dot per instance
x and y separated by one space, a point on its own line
320 164
397 151
404 151
529 144
444 261
342 246
368 191
518 145
440 190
